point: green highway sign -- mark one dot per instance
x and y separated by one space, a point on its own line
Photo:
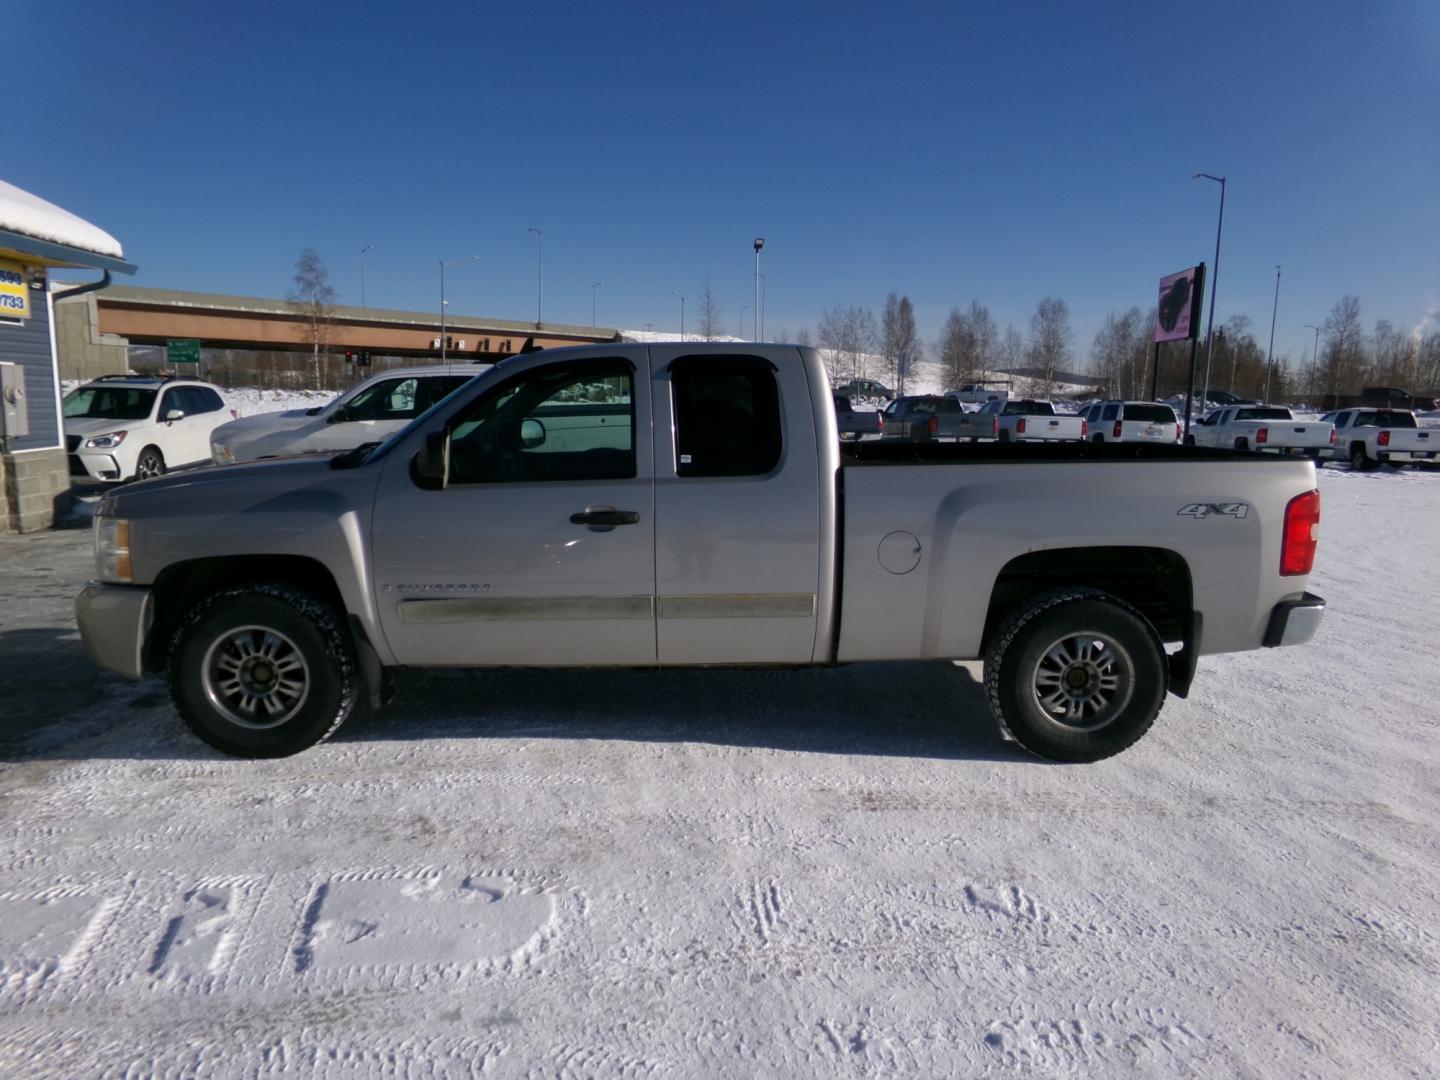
182 351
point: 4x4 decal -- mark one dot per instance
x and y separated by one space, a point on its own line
1204 510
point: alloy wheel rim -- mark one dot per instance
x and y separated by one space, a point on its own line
255 677
1083 681
149 466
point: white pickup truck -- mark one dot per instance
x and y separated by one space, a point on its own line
1368 438
686 505
1028 420
1268 428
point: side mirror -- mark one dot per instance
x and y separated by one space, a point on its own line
430 468
532 434
174 414
340 415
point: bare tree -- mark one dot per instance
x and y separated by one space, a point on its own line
1343 361
1012 349
709 312
802 336
313 299
850 337
898 335
955 349
1050 336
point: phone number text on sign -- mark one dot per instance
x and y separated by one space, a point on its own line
14 292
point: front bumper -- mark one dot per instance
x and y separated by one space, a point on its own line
1294 622
114 621
96 465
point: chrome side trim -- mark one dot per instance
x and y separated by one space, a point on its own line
502 609
739 606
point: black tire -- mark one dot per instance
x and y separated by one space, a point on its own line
1097 438
1005 436
1359 459
150 463
1241 444
236 645
1022 657
1189 440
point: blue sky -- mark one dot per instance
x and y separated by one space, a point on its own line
952 151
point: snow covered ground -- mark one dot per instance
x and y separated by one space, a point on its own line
725 873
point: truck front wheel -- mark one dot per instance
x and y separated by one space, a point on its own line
1359 459
1076 675
263 670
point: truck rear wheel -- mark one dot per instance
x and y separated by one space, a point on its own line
1076 675
263 670
1359 459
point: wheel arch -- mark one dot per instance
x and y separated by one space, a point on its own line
1156 582
182 585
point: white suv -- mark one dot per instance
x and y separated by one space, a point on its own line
369 411
1132 422
128 427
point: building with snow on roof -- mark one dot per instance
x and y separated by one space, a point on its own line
36 237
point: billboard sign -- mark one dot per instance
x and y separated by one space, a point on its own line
1177 315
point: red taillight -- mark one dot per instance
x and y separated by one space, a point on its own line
1332 436
1020 426
1384 439
934 424
880 421
1263 435
1177 432
1119 430
1084 428
994 427
1302 530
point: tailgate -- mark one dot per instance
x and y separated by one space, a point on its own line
1051 427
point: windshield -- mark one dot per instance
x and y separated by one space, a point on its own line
1264 414
109 403
389 444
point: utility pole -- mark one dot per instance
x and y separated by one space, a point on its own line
1270 352
759 243
539 274
1214 283
592 302
682 313
444 345
363 250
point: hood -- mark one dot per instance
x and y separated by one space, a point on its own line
274 474
251 427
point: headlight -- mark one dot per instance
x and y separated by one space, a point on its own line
112 549
105 442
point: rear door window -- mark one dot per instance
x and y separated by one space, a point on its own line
727 416
1150 414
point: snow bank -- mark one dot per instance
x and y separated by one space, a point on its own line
31 215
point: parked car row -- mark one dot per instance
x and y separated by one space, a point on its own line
129 427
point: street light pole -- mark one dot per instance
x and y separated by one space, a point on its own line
759 243
1270 352
444 348
682 313
539 274
363 250
1214 284
1315 352
762 306
592 302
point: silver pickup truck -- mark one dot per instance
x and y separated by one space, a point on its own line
690 504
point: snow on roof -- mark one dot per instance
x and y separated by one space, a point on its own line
29 215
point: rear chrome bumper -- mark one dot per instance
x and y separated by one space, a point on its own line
1294 622
114 621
